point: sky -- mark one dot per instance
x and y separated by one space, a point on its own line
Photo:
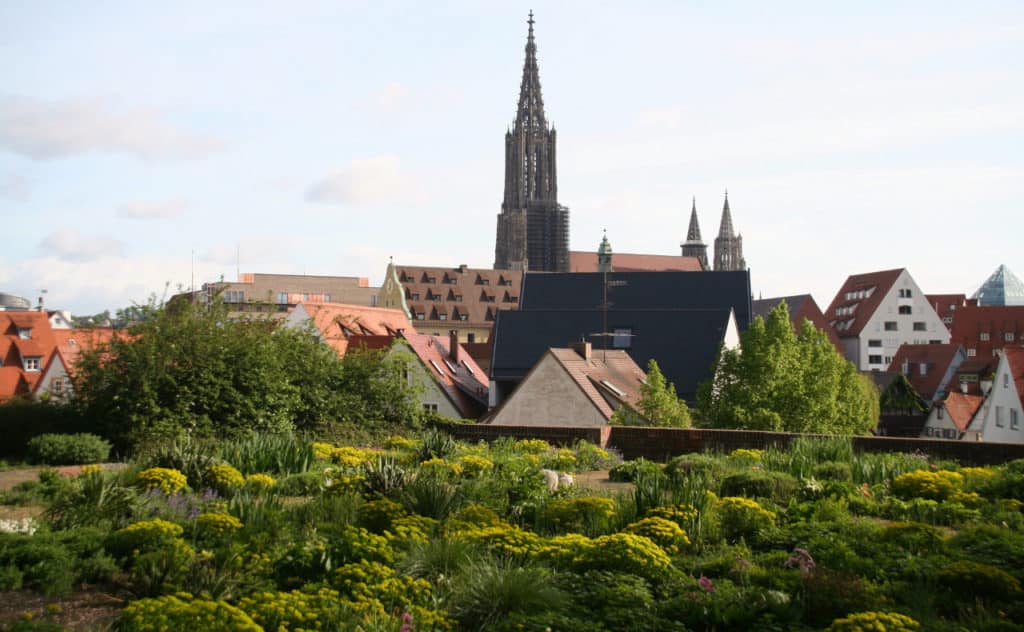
147 146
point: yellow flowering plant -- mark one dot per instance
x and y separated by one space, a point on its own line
167 480
874 622
224 478
182 612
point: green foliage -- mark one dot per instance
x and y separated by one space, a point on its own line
432 497
436 444
224 478
182 612
68 449
778 380
938 485
277 454
665 533
627 471
967 580
489 592
589 515
627 553
875 621
658 406
778 486
188 368
742 517
95 498
23 418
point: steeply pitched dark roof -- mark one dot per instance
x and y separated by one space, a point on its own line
763 307
685 342
639 290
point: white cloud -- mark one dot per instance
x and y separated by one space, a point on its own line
14 187
368 182
153 210
390 98
70 245
106 283
44 130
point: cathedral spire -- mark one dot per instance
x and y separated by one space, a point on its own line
726 229
530 114
693 234
694 245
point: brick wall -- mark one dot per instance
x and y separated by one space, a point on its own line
661 444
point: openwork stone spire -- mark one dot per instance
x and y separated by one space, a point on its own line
728 245
533 228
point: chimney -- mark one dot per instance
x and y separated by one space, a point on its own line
583 348
453 346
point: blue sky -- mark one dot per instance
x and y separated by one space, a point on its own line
322 138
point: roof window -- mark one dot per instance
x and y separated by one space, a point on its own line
611 387
437 367
25 333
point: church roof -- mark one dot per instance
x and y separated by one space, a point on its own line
693 233
1002 288
628 262
726 229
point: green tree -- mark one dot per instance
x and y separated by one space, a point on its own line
188 368
658 405
778 380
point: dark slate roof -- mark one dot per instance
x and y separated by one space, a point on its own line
633 290
685 342
763 307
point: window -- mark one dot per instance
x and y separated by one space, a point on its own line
972 352
919 326
1014 421
451 367
924 369
622 338
437 367
935 342
373 300
874 359
940 412
890 325
282 298
471 337
905 293
327 298
1008 336
421 315
442 316
466 364
32 363
999 417
430 408
1006 380
25 333
905 309
983 336
874 343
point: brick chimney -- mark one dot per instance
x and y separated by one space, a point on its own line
583 348
453 346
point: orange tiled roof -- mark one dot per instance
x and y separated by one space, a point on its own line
470 296
462 381
12 382
961 408
614 367
1015 358
936 357
868 290
337 322
972 322
626 262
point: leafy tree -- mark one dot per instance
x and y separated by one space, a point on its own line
189 368
659 405
778 380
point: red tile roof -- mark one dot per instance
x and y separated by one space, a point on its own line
12 382
626 262
935 357
461 379
872 288
613 367
337 322
464 296
945 305
971 322
961 408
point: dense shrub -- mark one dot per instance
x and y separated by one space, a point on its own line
777 486
967 580
694 464
182 612
224 478
490 592
665 533
628 471
880 621
938 485
742 517
165 479
589 515
68 449
834 471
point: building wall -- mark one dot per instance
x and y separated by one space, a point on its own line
888 310
431 394
290 289
548 397
939 425
1002 403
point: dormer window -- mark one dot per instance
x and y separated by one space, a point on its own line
25 333
32 363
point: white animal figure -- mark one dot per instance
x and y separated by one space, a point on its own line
551 478
565 480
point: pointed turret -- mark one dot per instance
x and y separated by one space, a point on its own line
604 255
694 245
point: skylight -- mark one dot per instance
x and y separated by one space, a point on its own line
611 387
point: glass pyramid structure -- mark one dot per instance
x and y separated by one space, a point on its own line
1002 288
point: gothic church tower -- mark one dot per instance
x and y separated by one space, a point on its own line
728 245
533 228
694 246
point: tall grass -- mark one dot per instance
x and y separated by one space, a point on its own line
278 454
804 453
